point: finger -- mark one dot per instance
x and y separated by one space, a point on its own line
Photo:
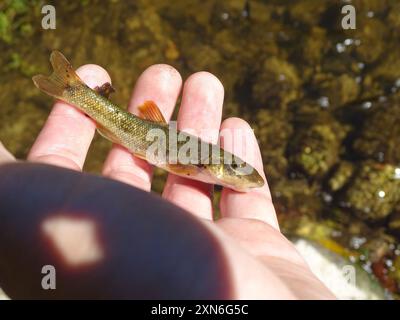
162 84
105 240
200 112
67 133
257 203
5 155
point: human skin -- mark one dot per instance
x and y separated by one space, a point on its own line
109 237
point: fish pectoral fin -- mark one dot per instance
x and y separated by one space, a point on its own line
105 89
182 169
107 134
150 111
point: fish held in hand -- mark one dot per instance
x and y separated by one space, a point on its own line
148 136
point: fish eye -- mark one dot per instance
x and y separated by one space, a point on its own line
236 166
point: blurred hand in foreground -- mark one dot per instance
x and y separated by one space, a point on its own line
108 239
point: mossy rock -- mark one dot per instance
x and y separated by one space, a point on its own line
277 83
374 191
379 138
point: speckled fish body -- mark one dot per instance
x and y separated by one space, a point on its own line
132 132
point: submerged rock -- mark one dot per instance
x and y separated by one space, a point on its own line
276 84
371 34
374 191
380 135
307 12
387 72
341 175
273 130
315 145
344 279
339 90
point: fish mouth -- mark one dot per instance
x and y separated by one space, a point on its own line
260 182
258 179
256 184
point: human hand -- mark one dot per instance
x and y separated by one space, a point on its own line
109 240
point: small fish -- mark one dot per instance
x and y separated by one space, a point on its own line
132 132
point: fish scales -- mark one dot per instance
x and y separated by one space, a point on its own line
200 161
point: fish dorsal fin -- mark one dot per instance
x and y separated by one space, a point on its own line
150 111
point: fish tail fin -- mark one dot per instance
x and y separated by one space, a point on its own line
62 78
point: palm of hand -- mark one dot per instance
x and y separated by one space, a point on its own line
260 261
